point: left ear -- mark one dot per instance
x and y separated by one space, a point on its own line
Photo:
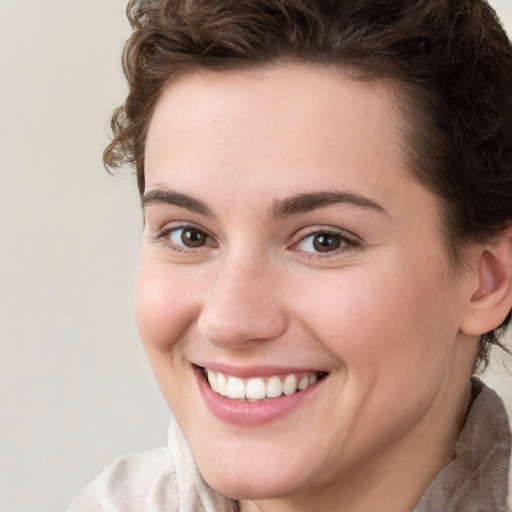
491 300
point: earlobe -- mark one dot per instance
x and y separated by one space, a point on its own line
491 302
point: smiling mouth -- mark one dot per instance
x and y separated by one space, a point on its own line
260 389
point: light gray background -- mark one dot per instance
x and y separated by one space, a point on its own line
75 389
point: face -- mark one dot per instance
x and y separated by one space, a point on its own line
289 256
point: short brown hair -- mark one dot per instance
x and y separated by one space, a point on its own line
451 59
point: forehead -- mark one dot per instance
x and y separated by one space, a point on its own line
296 112
277 131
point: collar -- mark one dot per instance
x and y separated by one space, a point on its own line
477 479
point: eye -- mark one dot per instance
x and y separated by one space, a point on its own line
183 238
323 242
188 237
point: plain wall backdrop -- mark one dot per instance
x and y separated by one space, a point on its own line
75 389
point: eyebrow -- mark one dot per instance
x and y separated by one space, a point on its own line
302 203
176 199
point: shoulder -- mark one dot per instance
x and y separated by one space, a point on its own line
161 480
131 484
495 423
509 502
501 413
491 443
477 479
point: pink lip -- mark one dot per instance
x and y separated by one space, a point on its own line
252 413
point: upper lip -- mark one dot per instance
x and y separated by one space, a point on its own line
246 372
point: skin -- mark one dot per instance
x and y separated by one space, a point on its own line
383 314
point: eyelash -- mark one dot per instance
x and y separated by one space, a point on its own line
346 243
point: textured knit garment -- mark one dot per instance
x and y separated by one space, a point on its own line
478 479
167 479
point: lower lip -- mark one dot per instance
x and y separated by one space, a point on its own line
252 413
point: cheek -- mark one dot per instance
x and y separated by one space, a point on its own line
164 312
394 339
163 308
381 320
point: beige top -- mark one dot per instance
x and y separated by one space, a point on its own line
167 479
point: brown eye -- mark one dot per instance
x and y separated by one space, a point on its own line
191 237
325 242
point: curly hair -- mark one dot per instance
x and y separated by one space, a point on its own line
451 59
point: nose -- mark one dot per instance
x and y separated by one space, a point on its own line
243 305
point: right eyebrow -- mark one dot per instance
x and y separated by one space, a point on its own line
307 202
160 196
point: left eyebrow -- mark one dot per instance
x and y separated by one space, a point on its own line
302 203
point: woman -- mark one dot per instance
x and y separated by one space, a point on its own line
327 256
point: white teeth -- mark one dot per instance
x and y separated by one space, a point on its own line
274 388
235 388
303 383
258 388
212 380
290 384
222 384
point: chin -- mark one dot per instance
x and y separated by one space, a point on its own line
252 486
265 475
